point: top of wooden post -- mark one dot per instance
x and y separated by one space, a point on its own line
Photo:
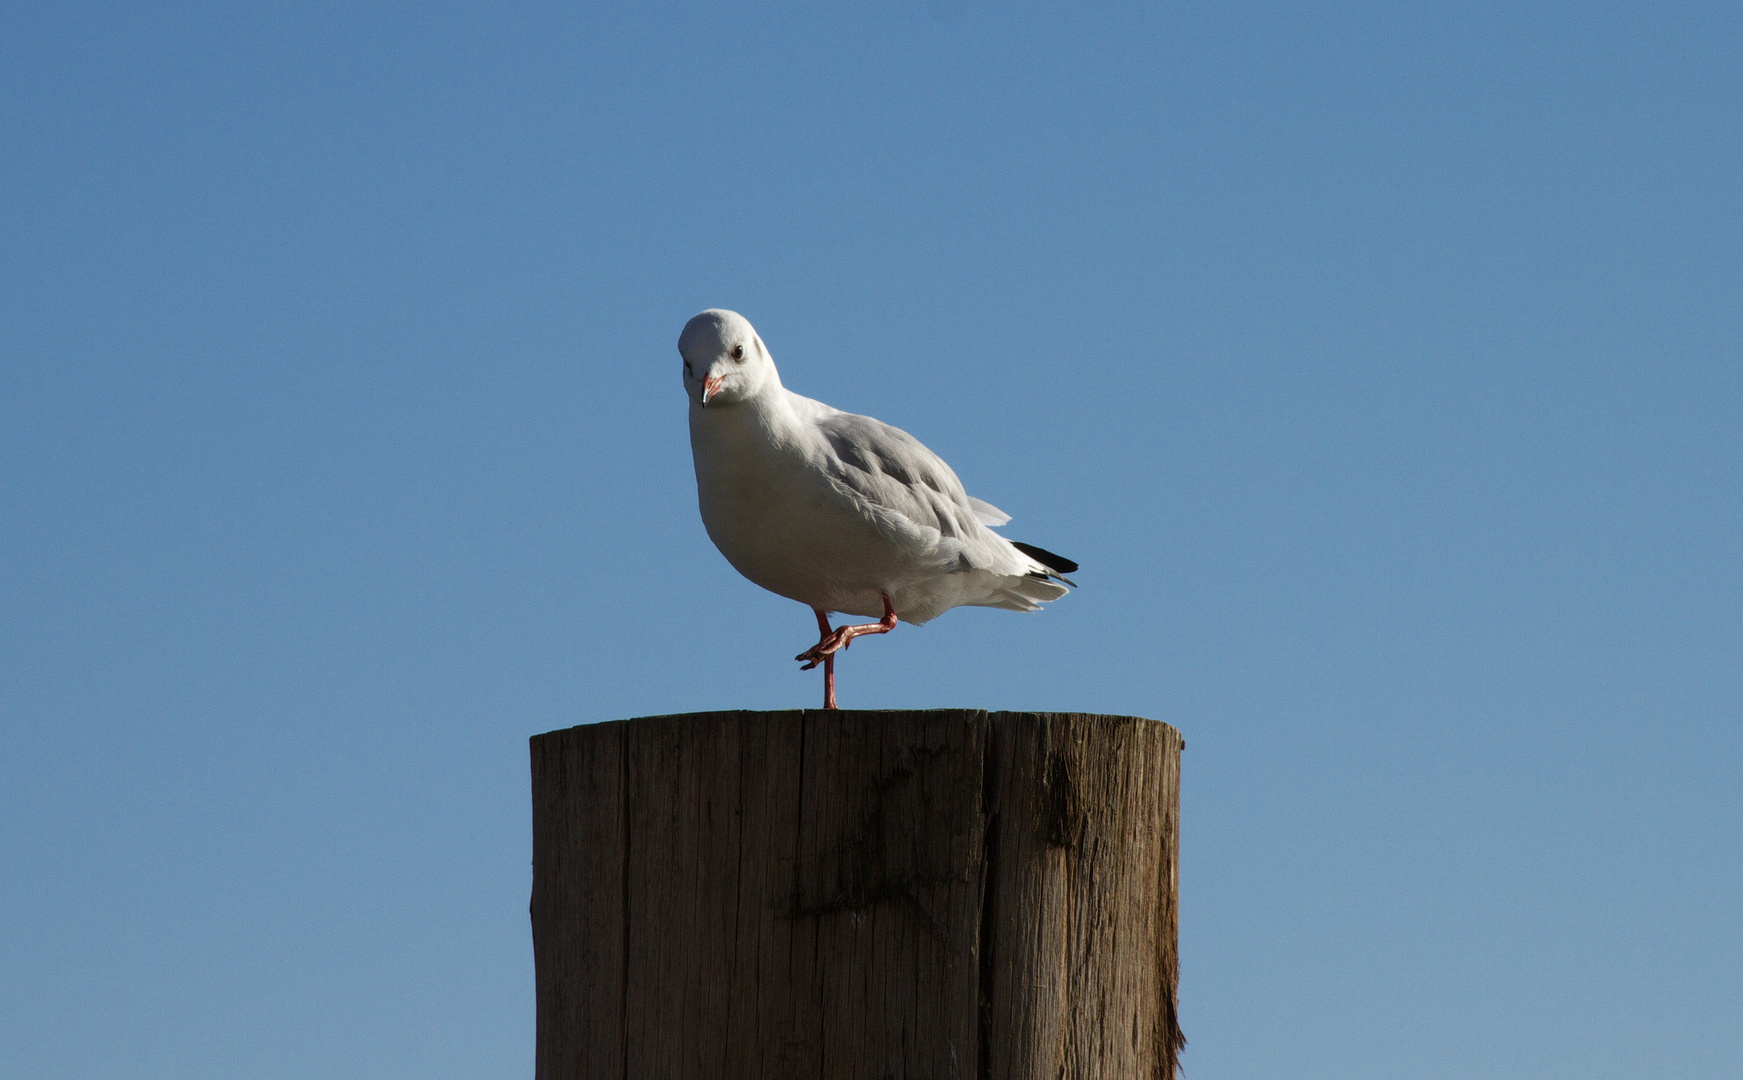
934 893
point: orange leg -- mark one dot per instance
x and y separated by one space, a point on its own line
823 634
831 641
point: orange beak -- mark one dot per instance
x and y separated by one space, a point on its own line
710 387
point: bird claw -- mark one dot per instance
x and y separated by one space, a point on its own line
837 640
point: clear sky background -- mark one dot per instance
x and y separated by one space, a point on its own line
1379 362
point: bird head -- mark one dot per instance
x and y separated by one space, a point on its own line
725 361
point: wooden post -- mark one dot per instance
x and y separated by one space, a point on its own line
915 895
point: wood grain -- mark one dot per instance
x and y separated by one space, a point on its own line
914 895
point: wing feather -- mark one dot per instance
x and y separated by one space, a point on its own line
906 490
987 512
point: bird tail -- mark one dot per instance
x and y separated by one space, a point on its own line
1025 593
1057 566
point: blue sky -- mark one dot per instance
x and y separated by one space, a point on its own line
1380 363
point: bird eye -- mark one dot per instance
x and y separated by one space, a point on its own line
738 352
687 369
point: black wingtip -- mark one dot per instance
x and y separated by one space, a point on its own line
1056 563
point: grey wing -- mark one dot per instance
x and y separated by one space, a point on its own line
907 491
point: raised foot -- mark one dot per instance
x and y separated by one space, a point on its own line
832 642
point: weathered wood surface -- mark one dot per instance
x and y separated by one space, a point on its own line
848 894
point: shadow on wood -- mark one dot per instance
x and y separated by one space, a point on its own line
846 894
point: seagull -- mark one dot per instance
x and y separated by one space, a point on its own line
842 513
